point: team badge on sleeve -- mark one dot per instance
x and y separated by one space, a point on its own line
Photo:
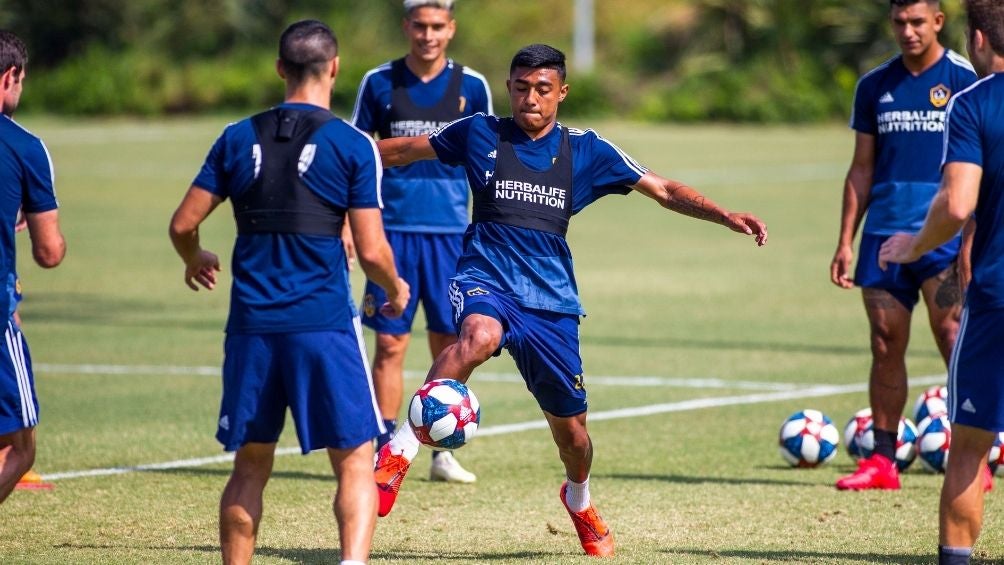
940 95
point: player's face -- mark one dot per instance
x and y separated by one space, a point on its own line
13 82
430 30
916 27
534 95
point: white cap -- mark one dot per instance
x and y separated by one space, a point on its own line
410 5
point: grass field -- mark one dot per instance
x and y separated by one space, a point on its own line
734 339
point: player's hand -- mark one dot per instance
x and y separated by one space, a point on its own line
395 306
748 224
202 269
897 249
840 267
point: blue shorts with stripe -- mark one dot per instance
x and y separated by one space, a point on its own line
903 282
18 402
976 371
322 377
426 261
544 345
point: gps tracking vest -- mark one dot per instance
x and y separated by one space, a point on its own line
521 197
405 119
278 201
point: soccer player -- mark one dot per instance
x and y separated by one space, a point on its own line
425 204
26 183
514 286
293 337
898 119
972 181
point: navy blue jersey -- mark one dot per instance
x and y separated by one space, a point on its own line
26 182
425 196
976 135
906 114
533 267
293 282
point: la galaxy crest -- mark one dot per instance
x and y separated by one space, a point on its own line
369 306
940 95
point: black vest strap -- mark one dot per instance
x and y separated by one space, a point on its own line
403 110
278 201
518 196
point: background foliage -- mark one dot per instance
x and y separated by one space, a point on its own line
679 60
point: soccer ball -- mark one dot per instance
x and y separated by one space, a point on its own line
934 442
996 459
444 414
932 401
906 442
854 429
808 439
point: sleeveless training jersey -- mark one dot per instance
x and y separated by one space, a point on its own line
26 182
533 267
293 282
425 196
906 114
976 135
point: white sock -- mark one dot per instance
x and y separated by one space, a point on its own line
405 442
352 562
577 495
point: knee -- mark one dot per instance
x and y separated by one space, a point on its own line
887 342
390 347
576 443
479 341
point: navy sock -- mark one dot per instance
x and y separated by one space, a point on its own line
954 555
382 439
885 443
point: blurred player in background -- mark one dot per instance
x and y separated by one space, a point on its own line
293 336
425 204
26 179
898 119
972 182
514 286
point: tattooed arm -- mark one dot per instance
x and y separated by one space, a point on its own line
685 200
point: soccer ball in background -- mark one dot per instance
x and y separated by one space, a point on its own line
808 439
444 414
854 429
996 459
931 402
934 442
906 442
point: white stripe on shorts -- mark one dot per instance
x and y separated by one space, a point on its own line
953 364
358 326
15 350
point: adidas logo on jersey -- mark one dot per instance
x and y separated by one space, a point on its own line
886 98
968 406
493 154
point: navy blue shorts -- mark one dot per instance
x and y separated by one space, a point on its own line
903 282
426 262
976 371
18 403
323 377
545 346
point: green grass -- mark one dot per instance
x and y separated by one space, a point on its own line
666 295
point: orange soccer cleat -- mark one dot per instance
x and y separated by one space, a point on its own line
594 535
389 471
875 472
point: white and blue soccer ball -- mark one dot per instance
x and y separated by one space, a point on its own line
854 429
444 414
933 401
996 459
906 442
934 442
808 439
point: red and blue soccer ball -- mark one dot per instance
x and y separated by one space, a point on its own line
808 439
444 414
932 402
859 436
934 442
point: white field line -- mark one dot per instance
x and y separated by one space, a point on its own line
682 406
641 381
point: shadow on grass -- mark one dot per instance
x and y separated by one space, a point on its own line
276 475
794 556
698 479
91 308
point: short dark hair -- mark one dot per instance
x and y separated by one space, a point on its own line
306 48
988 17
13 53
901 3
539 56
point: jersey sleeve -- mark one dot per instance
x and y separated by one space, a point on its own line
450 141
363 113
39 192
613 170
480 96
364 184
962 133
863 111
211 175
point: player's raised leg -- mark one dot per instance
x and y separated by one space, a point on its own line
355 501
241 503
445 466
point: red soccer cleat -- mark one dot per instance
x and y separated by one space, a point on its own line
594 535
389 473
988 479
32 481
875 472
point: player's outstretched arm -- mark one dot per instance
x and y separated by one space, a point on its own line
685 200
396 151
201 266
47 244
857 189
377 259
